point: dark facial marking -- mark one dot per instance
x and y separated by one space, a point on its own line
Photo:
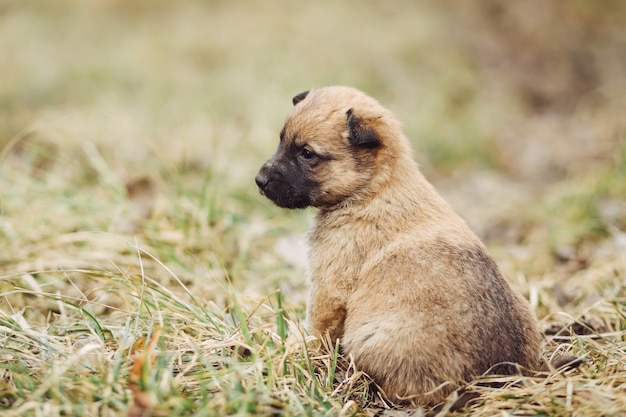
285 178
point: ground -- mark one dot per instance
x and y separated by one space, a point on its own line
141 273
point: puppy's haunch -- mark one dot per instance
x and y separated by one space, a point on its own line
396 275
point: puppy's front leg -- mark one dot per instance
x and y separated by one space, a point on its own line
326 313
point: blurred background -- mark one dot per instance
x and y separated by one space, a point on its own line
516 111
130 135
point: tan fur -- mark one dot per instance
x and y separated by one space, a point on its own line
395 274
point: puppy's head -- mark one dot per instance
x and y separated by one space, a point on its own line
336 146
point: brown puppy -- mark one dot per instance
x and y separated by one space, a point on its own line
396 275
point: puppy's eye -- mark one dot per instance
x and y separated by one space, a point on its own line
307 154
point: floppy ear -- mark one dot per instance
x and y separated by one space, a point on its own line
299 97
360 133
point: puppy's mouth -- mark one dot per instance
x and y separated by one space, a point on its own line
286 200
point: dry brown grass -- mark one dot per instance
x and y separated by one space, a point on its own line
130 132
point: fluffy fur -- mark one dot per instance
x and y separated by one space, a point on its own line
396 275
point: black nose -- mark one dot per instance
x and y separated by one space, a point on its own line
261 181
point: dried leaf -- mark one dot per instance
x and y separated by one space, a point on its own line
144 401
142 193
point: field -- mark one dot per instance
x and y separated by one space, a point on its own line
142 274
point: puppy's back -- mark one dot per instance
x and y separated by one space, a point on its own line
433 313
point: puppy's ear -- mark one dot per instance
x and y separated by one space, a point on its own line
299 97
360 133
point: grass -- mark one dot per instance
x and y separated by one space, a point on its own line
207 359
185 295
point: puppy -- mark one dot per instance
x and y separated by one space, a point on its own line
395 274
